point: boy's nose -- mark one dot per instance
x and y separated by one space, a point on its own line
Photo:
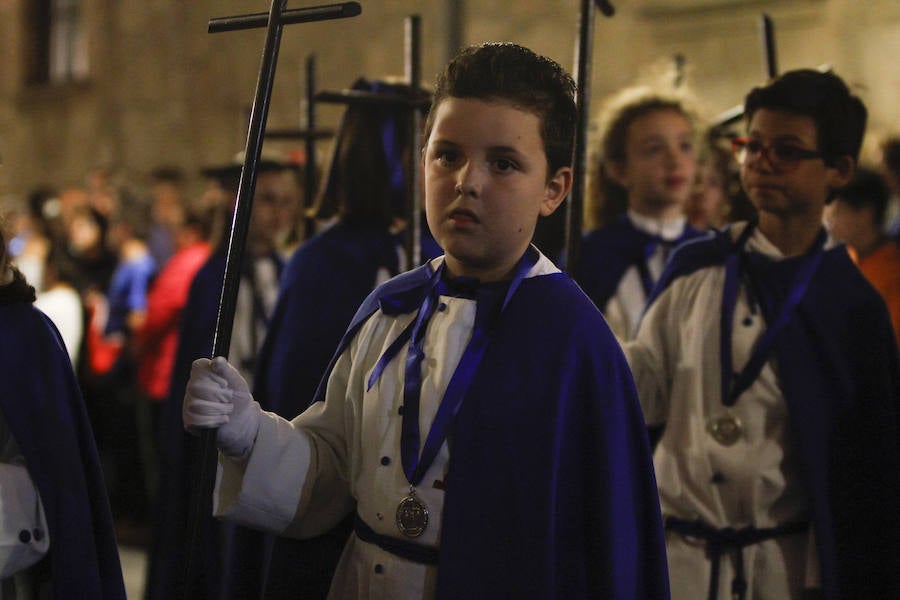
468 181
674 155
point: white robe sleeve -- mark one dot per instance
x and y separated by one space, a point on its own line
24 538
649 356
295 480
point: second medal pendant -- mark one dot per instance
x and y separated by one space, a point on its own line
412 515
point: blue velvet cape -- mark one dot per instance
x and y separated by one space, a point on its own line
608 252
838 371
550 490
322 286
45 412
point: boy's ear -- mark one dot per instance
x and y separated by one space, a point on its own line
615 170
841 172
556 190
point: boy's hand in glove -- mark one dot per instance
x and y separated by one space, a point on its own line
218 397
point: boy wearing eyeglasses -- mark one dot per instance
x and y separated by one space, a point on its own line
771 362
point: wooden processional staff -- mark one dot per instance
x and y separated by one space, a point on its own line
274 22
583 58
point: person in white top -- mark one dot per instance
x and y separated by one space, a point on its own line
771 364
60 300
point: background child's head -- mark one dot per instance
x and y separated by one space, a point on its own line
515 75
858 212
839 116
647 147
890 162
367 179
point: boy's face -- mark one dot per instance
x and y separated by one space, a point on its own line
486 183
797 189
660 166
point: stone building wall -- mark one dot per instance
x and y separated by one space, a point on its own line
162 90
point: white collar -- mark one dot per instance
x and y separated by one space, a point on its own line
759 243
543 266
668 229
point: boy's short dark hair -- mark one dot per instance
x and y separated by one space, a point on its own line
528 81
867 188
840 117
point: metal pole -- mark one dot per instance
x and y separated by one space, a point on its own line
583 57
412 48
767 33
201 499
309 173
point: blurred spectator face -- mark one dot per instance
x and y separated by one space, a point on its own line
274 195
848 223
167 204
707 203
101 193
84 233
71 201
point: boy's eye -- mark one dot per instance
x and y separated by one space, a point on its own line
446 156
788 152
503 164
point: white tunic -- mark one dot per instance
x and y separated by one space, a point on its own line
623 311
254 307
303 476
21 514
675 361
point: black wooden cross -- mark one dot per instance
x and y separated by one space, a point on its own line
274 22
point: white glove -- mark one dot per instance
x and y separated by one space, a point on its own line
217 396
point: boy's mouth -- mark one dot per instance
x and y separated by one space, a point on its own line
766 188
675 181
462 216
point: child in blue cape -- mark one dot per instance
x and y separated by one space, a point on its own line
648 156
56 530
478 417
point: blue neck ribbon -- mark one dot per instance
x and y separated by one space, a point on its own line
734 384
414 464
643 265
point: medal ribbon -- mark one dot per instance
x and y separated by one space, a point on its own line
414 465
734 384
643 263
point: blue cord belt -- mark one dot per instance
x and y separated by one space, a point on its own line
414 552
719 541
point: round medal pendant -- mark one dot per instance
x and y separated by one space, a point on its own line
412 517
726 430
